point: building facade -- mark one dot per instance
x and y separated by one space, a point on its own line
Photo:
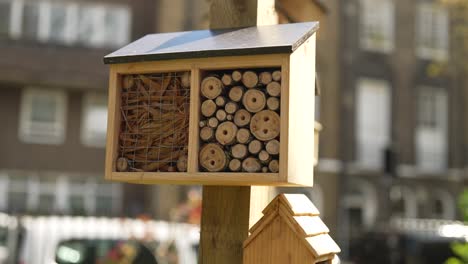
54 104
403 149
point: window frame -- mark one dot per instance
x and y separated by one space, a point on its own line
425 135
89 99
435 50
72 23
387 28
28 128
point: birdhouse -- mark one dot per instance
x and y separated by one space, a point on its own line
214 107
290 231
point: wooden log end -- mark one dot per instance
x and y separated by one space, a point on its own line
213 158
254 100
235 165
236 93
208 108
251 164
185 80
273 103
273 166
255 146
220 101
122 164
274 89
226 133
242 118
128 82
276 75
243 136
239 151
231 107
236 76
227 79
264 156
182 163
206 134
273 147
250 79
213 122
211 87
265 125
221 115
265 78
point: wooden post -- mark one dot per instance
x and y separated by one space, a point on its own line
228 212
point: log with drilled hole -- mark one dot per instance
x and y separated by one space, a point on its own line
265 125
242 118
226 133
211 87
213 158
254 100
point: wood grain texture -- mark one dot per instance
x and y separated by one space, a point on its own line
193 146
112 122
301 114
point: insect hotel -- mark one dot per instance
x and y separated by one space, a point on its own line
214 107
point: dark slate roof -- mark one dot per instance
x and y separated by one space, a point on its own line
284 38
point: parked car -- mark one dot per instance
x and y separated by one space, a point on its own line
103 251
42 240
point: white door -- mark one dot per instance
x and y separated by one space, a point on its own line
373 122
431 131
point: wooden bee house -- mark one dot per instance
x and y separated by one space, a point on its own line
290 231
214 107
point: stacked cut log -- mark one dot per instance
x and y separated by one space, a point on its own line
240 122
154 122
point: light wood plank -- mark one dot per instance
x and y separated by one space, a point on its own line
112 122
193 144
301 114
215 63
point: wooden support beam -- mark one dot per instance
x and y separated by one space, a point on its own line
228 212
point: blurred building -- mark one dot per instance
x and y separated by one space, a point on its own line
53 103
393 143
402 139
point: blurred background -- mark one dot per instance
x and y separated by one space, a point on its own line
393 163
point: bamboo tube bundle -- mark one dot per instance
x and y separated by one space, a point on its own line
154 122
240 125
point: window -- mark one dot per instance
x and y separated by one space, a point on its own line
377 25
5 11
432 31
431 131
94 125
373 122
94 25
30 20
42 117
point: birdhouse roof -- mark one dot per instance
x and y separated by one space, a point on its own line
284 38
303 218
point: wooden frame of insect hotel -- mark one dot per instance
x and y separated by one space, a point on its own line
214 107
